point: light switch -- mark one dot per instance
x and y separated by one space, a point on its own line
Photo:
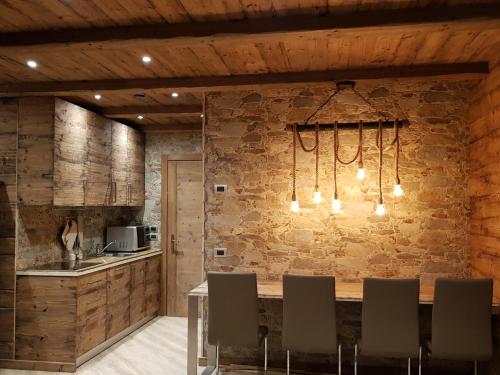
220 252
220 188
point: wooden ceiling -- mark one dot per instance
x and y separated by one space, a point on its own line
84 47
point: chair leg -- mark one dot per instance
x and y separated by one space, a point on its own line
217 359
475 367
409 366
340 359
420 361
288 362
265 354
355 359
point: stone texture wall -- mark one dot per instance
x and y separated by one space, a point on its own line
424 234
158 144
40 227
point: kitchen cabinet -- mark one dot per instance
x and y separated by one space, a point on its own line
118 315
69 156
62 318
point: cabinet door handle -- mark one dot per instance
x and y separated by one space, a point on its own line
114 191
84 192
129 189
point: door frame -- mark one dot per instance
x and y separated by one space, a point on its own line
164 219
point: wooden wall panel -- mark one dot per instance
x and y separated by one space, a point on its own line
484 181
136 167
91 311
8 214
36 152
119 168
46 315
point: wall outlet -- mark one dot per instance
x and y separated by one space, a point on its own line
220 188
152 237
220 252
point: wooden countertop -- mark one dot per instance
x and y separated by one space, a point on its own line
101 263
345 291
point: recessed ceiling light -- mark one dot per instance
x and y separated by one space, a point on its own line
140 117
175 95
32 64
97 96
201 115
146 59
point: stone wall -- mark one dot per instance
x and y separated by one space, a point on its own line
424 234
158 144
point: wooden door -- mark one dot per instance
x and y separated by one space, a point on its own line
118 314
184 237
135 163
98 162
119 168
70 153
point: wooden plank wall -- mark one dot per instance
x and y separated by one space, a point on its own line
8 213
484 181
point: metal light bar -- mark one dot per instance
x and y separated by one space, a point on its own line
348 125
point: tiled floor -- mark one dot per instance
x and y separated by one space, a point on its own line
157 348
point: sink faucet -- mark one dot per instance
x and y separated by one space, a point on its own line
99 252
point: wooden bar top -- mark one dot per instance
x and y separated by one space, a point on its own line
345 291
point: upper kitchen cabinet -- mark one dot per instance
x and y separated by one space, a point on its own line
69 156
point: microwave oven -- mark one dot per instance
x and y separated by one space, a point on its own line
128 239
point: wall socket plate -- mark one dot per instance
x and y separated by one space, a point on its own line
220 188
153 229
152 237
220 252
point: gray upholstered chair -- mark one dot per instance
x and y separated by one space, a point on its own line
233 317
461 320
309 319
390 321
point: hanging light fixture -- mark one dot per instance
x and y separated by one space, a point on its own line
361 169
317 194
336 203
398 190
380 211
294 206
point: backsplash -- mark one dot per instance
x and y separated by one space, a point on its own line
40 227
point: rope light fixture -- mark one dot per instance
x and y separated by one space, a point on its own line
382 123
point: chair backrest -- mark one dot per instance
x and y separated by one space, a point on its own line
232 309
461 319
309 318
390 319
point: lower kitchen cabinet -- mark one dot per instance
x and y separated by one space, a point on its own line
59 319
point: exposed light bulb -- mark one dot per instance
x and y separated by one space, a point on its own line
380 211
294 207
336 205
398 190
317 197
361 174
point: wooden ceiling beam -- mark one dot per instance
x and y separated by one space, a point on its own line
465 17
168 128
171 110
459 71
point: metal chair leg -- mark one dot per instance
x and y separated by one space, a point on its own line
420 361
288 362
265 354
409 366
355 359
475 367
217 359
340 359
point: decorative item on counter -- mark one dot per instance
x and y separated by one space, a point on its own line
69 236
78 251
